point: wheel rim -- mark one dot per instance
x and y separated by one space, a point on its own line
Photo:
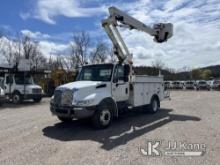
155 105
105 117
16 98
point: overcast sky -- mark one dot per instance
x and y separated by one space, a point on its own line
196 40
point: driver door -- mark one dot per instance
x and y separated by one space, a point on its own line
8 83
120 85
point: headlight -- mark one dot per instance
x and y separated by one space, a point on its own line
84 102
52 99
1 92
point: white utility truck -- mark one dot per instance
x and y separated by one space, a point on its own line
18 85
2 95
102 91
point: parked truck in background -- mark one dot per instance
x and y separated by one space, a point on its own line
177 85
202 84
216 85
2 96
190 85
103 91
21 88
18 84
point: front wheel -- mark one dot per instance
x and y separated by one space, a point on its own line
16 98
154 105
102 117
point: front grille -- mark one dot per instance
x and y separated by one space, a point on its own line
63 98
57 97
67 98
36 91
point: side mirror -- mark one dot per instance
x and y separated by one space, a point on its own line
126 79
115 80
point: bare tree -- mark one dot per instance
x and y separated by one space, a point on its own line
113 57
100 53
38 61
32 52
55 62
7 51
79 48
28 47
18 50
10 48
158 64
69 62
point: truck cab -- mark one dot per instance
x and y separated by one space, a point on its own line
103 91
19 87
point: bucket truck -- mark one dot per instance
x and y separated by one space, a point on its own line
104 91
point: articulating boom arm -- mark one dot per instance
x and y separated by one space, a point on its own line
161 32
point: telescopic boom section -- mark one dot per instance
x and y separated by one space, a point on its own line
161 32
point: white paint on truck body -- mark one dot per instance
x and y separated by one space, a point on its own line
86 91
145 87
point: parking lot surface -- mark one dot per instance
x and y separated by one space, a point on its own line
29 134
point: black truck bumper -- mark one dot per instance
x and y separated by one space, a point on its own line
32 96
2 99
72 111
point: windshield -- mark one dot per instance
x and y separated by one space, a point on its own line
216 82
202 82
20 79
96 73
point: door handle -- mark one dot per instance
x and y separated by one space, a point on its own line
117 84
126 90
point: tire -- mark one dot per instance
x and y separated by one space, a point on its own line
154 105
37 100
102 117
65 119
17 98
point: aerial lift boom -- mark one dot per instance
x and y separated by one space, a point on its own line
161 32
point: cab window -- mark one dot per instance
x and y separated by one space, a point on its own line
121 73
9 80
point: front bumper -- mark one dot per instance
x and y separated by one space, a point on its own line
72 111
32 96
2 98
177 87
190 87
203 87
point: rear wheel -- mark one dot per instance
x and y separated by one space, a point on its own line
154 105
65 119
102 117
16 98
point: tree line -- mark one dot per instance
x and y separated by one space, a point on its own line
12 49
80 53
